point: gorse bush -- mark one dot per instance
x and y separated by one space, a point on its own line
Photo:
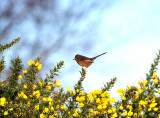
23 94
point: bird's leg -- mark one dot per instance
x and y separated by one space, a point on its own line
84 68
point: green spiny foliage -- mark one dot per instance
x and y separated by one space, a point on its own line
79 84
55 71
13 78
24 94
78 87
109 85
7 46
153 68
2 65
15 69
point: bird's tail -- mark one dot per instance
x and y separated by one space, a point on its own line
98 56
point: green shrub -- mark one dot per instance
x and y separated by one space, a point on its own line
23 94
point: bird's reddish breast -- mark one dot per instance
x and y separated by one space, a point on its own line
83 63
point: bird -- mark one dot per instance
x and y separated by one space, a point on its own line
85 61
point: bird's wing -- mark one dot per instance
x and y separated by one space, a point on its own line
88 60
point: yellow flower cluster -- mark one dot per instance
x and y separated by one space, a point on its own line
153 105
37 64
37 94
2 101
57 83
22 95
121 92
102 103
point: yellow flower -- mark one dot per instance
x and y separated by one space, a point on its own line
123 97
121 107
40 83
39 67
68 89
55 113
82 98
74 114
152 105
24 96
57 83
69 112
154 76
158 91
11 109
6 113
19 95
77 90
37 93
104 106
2 101
78 99
149 109
29 103
37 106
135 115
37 63
57 107
25 86
102 95
45 110
25 71
130 113
129 107
49 99
125 113
155 109
99 107
145 82
32 62
140 90
29 63
74 93
52 109
139 82
20 76
115 115
42 116
109 111
121 94
63 107
60 116
156 81
48 87
143 103
91 111
98 100
97 92
50 103
113 109
51 116
34 86
136 96
44 99
2 83
81 104
112 100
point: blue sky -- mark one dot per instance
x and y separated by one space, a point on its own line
130 33
128 30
